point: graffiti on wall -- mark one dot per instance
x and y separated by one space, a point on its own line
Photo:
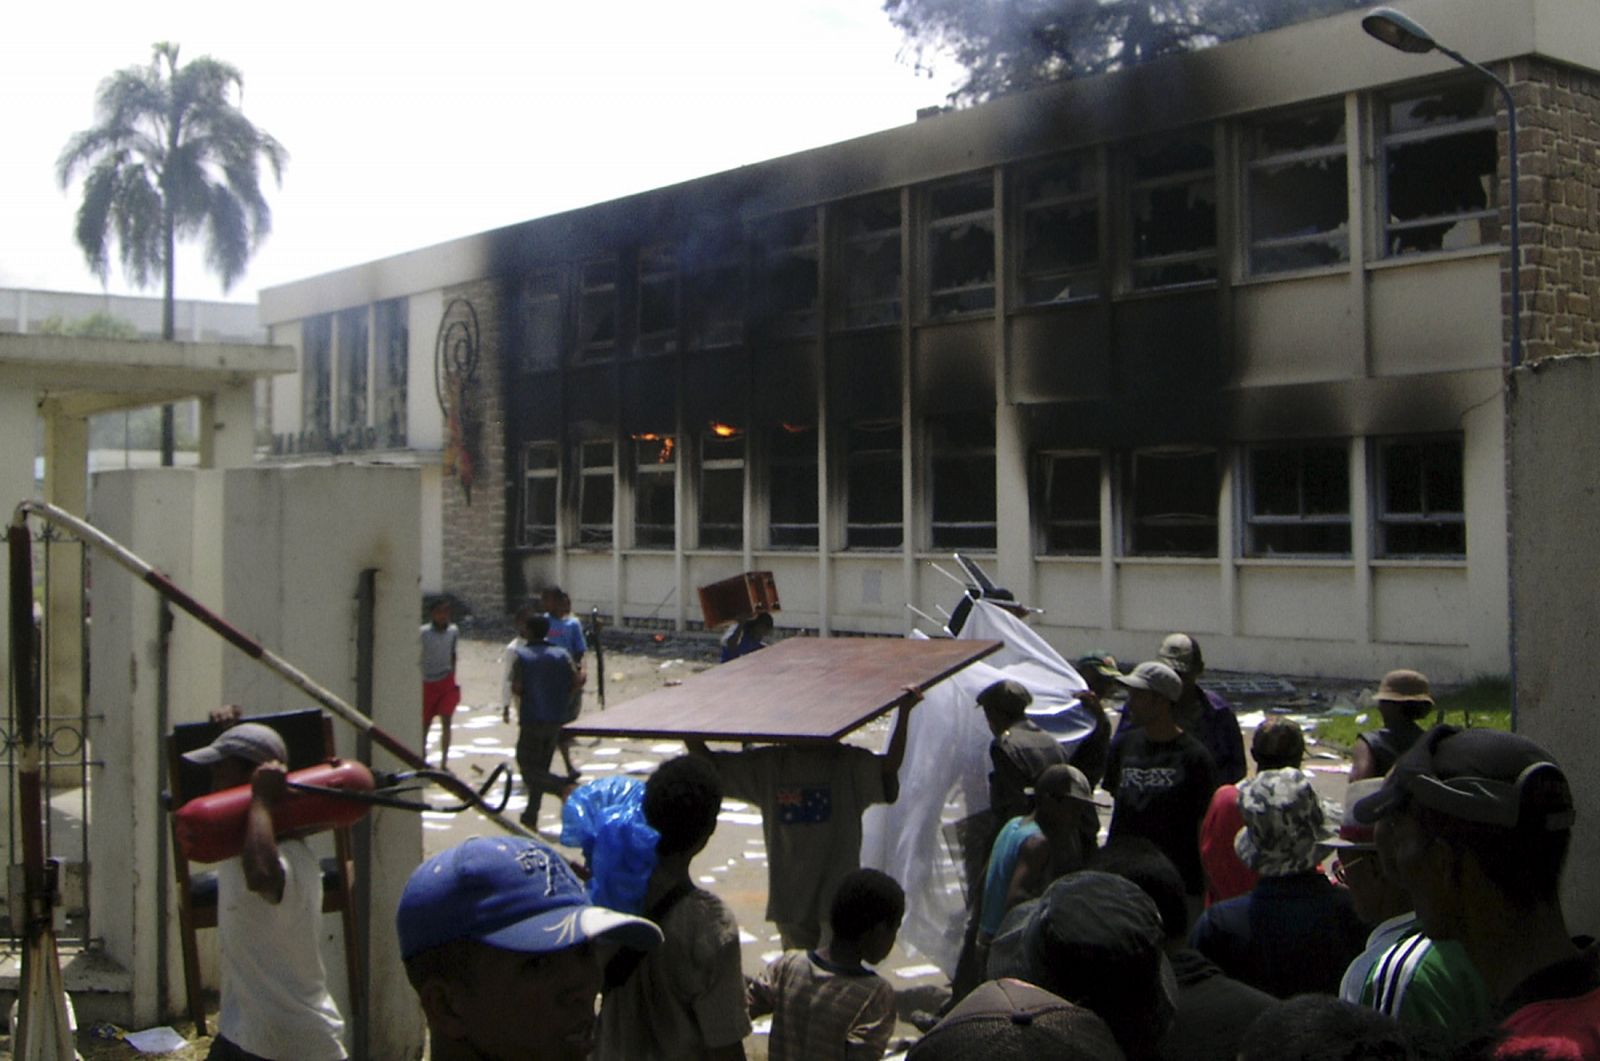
455 370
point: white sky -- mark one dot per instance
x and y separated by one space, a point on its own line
410 123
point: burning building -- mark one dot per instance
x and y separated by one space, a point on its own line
1213 344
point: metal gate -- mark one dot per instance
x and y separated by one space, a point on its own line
67 769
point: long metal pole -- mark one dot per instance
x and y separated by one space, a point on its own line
255 650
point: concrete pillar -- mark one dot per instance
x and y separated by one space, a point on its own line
66 484
1554 468
150 511
227 427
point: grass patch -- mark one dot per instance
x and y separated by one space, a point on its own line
1484 702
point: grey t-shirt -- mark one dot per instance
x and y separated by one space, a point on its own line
438 651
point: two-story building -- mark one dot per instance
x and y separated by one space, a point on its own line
1214 344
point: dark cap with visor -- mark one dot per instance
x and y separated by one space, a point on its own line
1475 775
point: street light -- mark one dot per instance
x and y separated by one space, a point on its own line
1406 35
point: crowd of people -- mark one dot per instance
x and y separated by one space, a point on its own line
1227 914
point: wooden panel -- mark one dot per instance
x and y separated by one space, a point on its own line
801 689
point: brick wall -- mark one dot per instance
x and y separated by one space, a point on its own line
475 525
1558 147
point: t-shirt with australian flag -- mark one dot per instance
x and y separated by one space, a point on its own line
811 798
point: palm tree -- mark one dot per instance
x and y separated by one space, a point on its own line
172 156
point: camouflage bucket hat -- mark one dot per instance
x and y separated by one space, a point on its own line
1283 823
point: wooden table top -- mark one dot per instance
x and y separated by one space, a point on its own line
800 689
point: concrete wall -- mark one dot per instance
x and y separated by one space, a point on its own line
257 545
1555 506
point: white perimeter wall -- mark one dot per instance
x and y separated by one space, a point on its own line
278 552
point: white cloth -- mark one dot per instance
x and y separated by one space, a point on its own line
275 1000
946 770
508 664
1387 934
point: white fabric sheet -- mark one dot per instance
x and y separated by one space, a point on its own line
945 775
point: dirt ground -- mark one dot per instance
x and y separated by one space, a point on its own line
734 863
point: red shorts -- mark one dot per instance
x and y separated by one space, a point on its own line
439 698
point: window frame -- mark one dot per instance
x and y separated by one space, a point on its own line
1385 140
1383 518
1044 461
548 536
1132 522
1090 165
352 360
710 460
1250 519
1134 263
772 248
963 535
595 535
643 472
1251 165
807 463
592 291
543 287
391 353
316 380
933 226
657 267
852 457
854 248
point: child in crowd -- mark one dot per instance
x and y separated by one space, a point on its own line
440 693
825 1003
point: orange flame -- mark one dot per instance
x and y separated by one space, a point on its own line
723 430
668 444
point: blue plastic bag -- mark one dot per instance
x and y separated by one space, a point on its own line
606 821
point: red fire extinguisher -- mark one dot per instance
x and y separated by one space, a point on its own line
211 828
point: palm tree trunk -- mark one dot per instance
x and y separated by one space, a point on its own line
168 322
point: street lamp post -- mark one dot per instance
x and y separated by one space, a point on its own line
1398 31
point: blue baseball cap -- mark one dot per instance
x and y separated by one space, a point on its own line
511 893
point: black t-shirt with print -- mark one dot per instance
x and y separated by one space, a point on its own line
1162 789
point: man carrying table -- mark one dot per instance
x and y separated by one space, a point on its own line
811 797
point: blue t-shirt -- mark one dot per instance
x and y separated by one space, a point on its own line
546 682
568 633
1002 866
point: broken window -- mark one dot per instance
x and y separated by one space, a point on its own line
961 467
1060 202
541 322
1069 492
792 487
541 469
1297 500
316 380
655 499
872 483
1172 502
597 472
1172 197
658 300
961 246
1298 204
1440 170
722 488
391 358
597 310
1421 497
352 339
786 264
718 293
869 261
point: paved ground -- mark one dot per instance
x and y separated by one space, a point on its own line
734 864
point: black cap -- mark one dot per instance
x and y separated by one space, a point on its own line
1476 775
